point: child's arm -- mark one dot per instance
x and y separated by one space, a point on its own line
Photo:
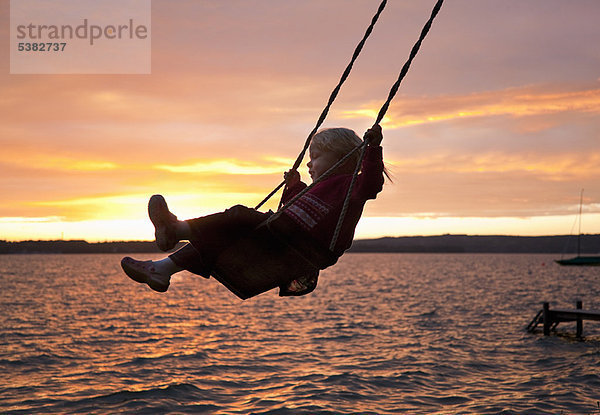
370 181
293 185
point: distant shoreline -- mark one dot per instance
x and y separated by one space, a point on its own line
590 244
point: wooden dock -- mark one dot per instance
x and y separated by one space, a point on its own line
550 318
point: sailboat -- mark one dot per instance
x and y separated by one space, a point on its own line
580 260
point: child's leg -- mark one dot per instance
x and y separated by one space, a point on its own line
209 235
184 232
167 229
212 234
157 274
189 259
166 266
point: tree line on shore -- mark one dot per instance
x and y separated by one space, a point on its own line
590 244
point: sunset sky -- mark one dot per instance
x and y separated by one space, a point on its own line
495 130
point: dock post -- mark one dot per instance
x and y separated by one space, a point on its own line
579 306
547 322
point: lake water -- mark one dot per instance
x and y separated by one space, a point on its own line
382 334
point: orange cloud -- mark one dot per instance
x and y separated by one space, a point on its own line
57 163
554 167
516 102
230 166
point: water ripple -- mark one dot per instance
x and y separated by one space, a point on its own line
382 334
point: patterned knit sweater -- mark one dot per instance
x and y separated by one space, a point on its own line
317 211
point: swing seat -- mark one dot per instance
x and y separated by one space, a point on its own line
266 259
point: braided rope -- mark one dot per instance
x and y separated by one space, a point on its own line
406 67
332 98
380 116
338 226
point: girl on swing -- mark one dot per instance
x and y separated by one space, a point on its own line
311 219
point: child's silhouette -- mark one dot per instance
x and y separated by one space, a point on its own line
313 217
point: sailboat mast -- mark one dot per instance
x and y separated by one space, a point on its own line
579 234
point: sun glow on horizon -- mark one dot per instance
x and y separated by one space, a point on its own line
53 228
123 216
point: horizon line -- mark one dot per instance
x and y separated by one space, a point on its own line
358 239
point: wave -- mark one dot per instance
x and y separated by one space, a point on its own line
182 398
143 361
35 362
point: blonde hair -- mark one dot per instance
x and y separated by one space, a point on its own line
339 141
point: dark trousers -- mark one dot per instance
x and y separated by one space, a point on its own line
214 233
